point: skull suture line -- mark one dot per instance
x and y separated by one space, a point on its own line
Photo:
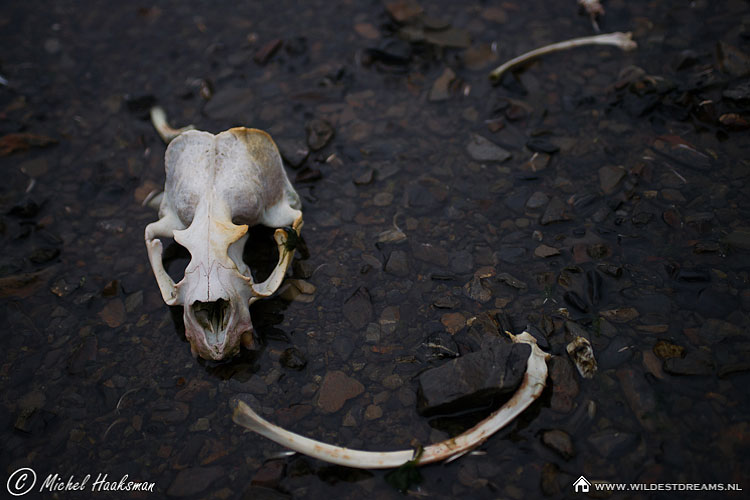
216 187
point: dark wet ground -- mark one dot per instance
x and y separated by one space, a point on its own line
629 226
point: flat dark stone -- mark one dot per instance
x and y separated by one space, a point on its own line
716 330
739 93
293 358
462 262
555 212
611 443
437 347
451 37
738 239
695 363
358 308
617 353
293 152
732 60
482 149
716 304
194 480
397 264
473 380
685 155
540 145
319 133
559 441
267 51
537 200
308 174
511 254
232 105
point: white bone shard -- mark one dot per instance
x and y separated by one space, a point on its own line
216 187
623 41
531 387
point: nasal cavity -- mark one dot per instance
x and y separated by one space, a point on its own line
213 318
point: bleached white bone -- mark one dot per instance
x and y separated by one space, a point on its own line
531 387
216 187
167 133
622 40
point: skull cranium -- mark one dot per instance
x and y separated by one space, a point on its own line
216 187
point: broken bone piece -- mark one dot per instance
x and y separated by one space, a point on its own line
594 9
167 133
622 40
582 354
531 387
216 187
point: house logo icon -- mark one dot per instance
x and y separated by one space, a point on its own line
581 485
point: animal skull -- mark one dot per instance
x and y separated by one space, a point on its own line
216 187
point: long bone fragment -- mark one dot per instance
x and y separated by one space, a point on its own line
531 387
167 133
622 40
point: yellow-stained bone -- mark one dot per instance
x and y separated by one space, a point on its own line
530 389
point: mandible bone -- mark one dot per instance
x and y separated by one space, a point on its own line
217 186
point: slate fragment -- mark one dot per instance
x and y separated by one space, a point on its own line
609 177
358 308
397 264
537 200
440 90
293 359
451 37
732 60
540 145
319 133
266 52
511 281
233 105
194 480
403 11
453 322
564 384
559 441
555 212
23 141
739 238
612 443
85 352
293 152
270 474
684 155
392 55
24 285
482 149
474 379
695 363
337 387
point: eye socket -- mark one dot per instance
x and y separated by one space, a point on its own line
175 258
260 252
